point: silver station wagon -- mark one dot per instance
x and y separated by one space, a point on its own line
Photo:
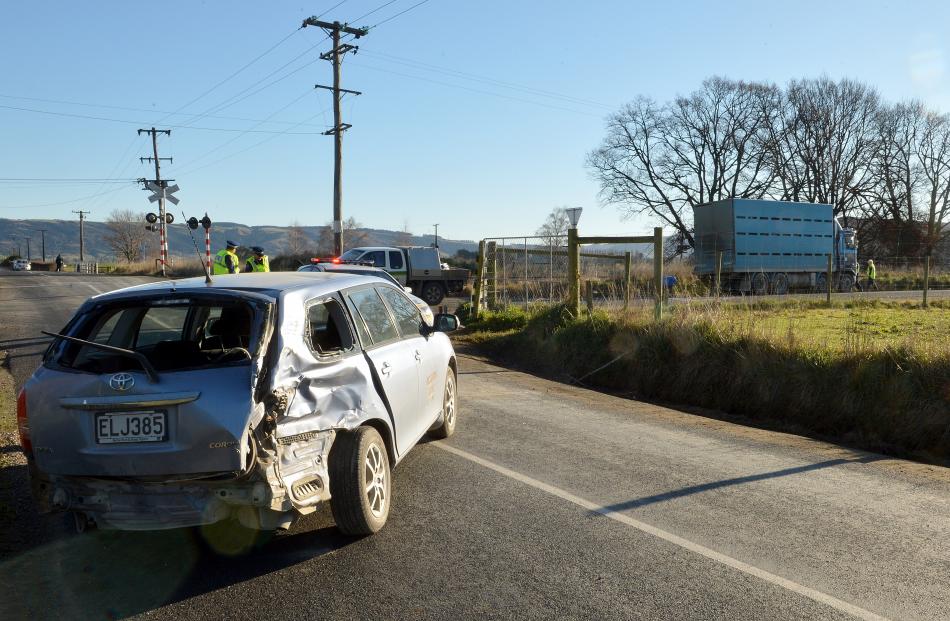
247 401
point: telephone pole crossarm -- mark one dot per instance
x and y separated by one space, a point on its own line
342 90
356 32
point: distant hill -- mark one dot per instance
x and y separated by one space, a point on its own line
62 236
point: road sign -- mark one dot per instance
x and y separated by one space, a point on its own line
574 214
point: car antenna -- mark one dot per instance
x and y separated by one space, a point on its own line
191 233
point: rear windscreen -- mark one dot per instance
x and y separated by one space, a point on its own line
185 334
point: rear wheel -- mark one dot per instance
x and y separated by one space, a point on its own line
449 408
433 293
821 282
760 283
360 481
780 283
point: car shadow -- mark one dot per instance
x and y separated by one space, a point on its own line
114 575
705 487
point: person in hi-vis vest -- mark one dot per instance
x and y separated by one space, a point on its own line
258 262
227 260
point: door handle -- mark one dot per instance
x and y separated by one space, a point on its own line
418 355
386 368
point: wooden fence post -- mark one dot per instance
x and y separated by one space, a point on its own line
658 270
627 260
829 283
589 296
479 277
491 275
718 273
926 278
573 272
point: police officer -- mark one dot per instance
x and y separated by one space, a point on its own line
258 262
227 261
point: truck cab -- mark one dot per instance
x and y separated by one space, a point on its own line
418 267
393 260
846 249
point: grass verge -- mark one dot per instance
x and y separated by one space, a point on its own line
834 373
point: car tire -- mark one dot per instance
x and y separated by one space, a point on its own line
449 407
433 293
360 481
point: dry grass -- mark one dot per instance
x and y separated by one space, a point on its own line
874 375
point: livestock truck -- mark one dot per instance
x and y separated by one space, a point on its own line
773 246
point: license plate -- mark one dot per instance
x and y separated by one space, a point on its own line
121 427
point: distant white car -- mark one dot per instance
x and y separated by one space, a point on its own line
21 265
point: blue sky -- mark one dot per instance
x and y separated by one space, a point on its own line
428 144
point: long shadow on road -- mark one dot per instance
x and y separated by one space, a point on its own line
113 575
705 487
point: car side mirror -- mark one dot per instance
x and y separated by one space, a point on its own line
445 322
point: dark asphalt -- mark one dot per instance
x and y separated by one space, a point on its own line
555 502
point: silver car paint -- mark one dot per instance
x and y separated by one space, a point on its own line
286 427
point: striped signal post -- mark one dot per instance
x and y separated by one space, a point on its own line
206 223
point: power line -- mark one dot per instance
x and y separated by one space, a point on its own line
485 80
380 7
75 200
63 180
475 90
389 19
101 118
338 4
235 138
131 109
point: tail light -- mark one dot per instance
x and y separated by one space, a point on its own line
336 259
23 423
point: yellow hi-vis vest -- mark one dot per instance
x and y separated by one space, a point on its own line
263 266
220 265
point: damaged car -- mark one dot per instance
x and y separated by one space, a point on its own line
248 401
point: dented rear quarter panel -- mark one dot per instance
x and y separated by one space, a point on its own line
323 393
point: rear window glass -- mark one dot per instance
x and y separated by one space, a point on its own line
172 336
375 315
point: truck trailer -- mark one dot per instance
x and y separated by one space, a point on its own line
773 246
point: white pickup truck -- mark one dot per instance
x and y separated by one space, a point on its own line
419 267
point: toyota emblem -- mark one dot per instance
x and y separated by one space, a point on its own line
122 381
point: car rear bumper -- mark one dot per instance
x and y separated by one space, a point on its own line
141 505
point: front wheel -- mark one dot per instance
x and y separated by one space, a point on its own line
433 293
360 481
449 408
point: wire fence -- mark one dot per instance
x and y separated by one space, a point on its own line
528 270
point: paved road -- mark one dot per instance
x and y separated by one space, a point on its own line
550 502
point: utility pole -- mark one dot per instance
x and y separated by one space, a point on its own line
162 238
436 234
82 215
336 56
29 257
43 241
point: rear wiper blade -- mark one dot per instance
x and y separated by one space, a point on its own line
138 356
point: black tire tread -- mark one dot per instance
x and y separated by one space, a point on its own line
347 502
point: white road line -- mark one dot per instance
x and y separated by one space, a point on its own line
785 583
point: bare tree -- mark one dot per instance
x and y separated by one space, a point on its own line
554 229
828 137
711 145
934 157
297 241
126 234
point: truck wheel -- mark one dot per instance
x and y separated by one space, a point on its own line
449 408
433 293
821 282
845 283
780 283
760 284
360 481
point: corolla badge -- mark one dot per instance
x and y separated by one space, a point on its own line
122 381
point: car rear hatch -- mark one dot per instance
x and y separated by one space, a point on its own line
95 412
